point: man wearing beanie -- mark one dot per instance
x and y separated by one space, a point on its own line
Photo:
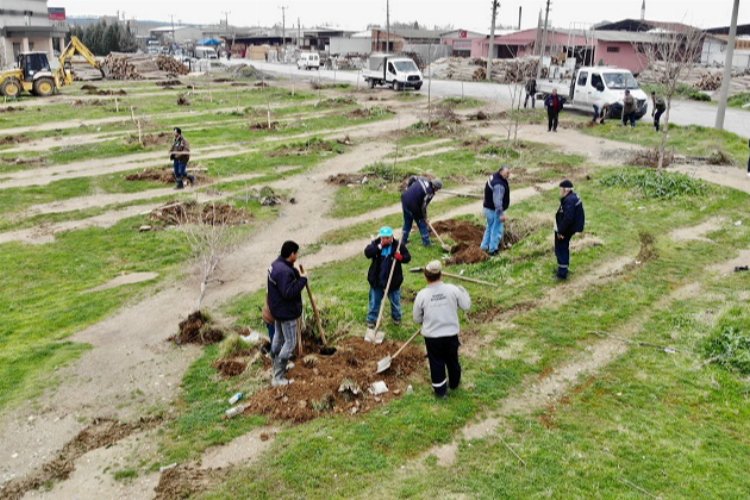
414 201
570 219
436 309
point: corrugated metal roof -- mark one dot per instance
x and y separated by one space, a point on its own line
628 36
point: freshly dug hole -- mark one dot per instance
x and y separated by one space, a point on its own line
191 212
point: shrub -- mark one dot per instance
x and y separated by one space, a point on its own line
654 184
729 347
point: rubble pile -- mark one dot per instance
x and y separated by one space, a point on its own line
503 70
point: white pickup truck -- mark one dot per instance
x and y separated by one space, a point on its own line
597 86
388 69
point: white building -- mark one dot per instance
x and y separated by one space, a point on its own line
25 25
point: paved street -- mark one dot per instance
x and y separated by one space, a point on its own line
683 112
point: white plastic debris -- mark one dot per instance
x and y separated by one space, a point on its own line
378 387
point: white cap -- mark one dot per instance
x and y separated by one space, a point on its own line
434 267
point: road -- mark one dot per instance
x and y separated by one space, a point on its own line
682 112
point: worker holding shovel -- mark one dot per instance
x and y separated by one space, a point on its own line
436 309
414 201
385 275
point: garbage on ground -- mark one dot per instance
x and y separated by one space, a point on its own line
236 397
378 387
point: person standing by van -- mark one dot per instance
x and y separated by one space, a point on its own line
554 104
628 109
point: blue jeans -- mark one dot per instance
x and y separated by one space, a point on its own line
376 297
284 340
562 252
493 233
421 224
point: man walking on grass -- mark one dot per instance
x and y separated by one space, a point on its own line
384 252
285 285
659 107
554 104
496 202
436 309
180 155
570 219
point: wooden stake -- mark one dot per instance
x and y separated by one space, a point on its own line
117 105
132 114
140 134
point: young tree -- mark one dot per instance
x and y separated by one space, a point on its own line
111 39
128 42
672 58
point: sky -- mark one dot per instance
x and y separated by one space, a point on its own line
357 14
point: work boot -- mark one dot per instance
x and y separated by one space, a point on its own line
370 334
279 373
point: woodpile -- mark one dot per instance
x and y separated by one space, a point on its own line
503 70
120 66
702 78
709 81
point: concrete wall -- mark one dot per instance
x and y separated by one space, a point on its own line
15 9
350 45
625 56
714 54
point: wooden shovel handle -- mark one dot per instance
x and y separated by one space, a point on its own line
405 344
316 313
387 286
442 243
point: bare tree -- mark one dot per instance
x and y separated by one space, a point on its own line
672 58
210 239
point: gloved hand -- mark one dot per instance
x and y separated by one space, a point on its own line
399 257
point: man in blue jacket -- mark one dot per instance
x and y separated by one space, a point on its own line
496 202
285 285
568 221
414 201
384 252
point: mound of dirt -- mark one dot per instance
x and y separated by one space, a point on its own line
176 213
264 125
303 148
347 179
648 249
338 383
478 116
89 102
650 158
467 254
9 109
197 329
182 100
165 175
162 138
230 367
168 83
10 139
102 432
186 481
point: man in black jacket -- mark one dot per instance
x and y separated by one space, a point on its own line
384 252
568 221
414 202
285 285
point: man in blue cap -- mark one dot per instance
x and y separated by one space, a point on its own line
386 253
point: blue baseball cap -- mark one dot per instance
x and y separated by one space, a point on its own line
386 232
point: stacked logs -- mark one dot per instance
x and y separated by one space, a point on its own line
140 66
119 67
171 66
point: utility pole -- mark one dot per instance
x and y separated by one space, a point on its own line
726 80
299 34
171 16
544 42
387 26
495 6
283 25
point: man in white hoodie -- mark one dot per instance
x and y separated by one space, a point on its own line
436 309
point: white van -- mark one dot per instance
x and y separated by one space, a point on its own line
398 72
205 52
308 60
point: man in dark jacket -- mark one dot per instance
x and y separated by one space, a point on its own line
530 92
496 202
285 285
180 155
628 109
659 107
384 252
554 104
414 201
565 226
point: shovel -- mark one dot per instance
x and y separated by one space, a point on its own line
385 363
457 276
445 247
325 350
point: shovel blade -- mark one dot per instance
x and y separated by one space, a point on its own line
384 364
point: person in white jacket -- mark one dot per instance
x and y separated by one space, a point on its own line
436 309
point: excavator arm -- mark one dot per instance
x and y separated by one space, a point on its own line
75 46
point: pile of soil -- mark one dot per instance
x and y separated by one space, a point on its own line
222 80
160 139
101 433
13 139
317 380
313 145
9 109
261 84
468 236
89 102
264 125
478 116
168 83
197 329
165 176
240 84
230 367
347 179
185 481
650 158
176 213
182 100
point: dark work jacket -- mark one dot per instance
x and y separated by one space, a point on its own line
554 103
380 267
565 217
489 189
417 196
285 287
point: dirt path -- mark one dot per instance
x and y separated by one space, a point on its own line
731 177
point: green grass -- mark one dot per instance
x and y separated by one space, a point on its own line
373 447
462 102
740 100
682 91
689 140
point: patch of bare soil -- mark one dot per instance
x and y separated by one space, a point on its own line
650 157
230 367
303 148
264 125
162 138
197 329
478 116
101 433
164 175
168 83
26 162
348 179
240 84
9 109
176 213
338 383
13 139
648 249
88 102
182 100
186 481
222 80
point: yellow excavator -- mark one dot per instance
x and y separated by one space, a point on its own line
35 76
